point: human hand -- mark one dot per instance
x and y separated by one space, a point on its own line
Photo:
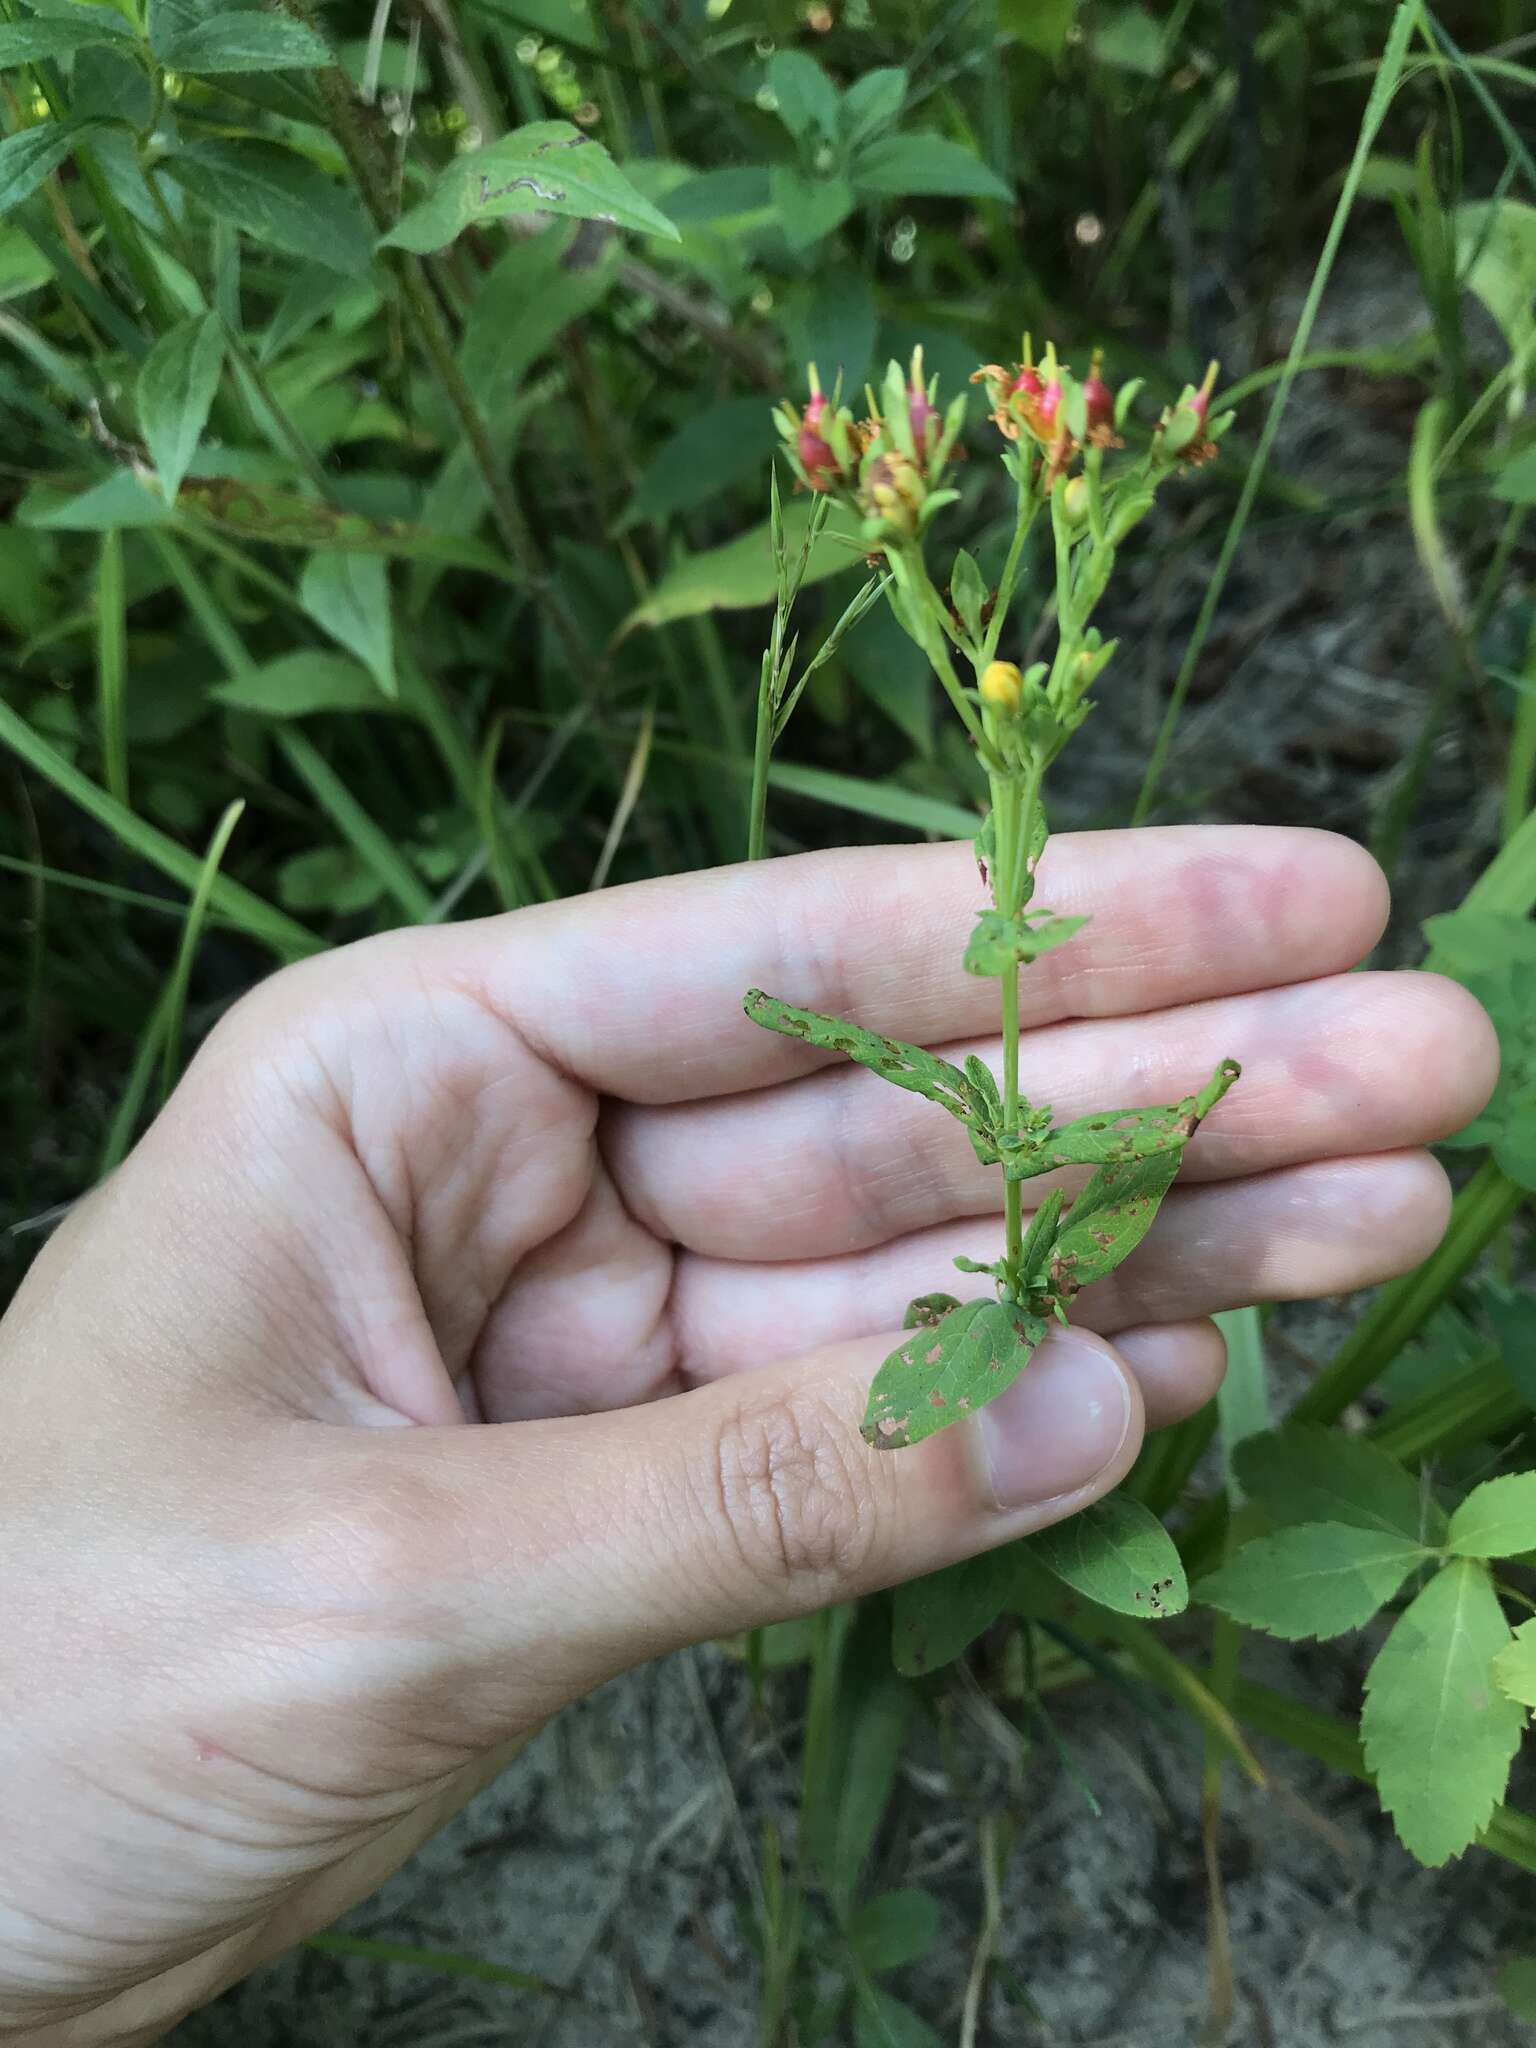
274 1607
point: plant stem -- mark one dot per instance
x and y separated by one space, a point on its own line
1014 803
757 815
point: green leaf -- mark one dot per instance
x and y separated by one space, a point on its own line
1118 1553
741 572
968 593
1112 1136
60 34
27 159
1497 1519
527 299
905 1066
1496 259
1493 955
716 447
119 500
912 166
283 518
935 1619
243 39
847 1799
894 1929
1000 944
830 321
276 196
1438 1734
872 103
1514 1668
1108 1220
809 208
806 97
1039 24
881 2021
1308 1473
943 1374
347 595
177 381
298 685
1517 1987
1317 1579
1130 40
546 167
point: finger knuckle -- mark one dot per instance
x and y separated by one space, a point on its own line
793 1497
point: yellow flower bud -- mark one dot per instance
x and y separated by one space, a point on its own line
1002 686
1076 506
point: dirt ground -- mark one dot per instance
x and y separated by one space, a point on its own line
615 1857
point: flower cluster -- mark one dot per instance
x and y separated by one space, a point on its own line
890 465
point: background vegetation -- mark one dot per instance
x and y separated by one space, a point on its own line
461 600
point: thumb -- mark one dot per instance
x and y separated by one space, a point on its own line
582 1546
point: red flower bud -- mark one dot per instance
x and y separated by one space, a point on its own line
1099 398
920 412
816 457
1049 402
1029 382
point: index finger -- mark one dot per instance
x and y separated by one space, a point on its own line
637 992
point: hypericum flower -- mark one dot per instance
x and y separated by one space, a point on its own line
820 439
894 491
1002 686
816 457
1184 432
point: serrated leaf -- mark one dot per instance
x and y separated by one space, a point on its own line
1493 955
177 382
1114 1135
936 1618
277 197
913 166
299 685
28 159
1438 1733
347 595
60 34
1317 1579
546 167
806 97
1307 1473
242 39
872 103
1108 1220
941 1375
1118 1553
1514 1668
1497 1519
998 944
894 1929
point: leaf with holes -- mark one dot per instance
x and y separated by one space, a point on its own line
999 944
1108 1220
1118 1553
1114 1135
546 167
948 1371
1319 1579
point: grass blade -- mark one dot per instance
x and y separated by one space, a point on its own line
112 664
365 838
175 1000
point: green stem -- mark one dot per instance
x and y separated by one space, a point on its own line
938 654
1014 801
757 815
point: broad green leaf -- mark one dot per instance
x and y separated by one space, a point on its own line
830 321
721 195
1514 1668
872 103
258 512
999 944
531 294
935 1619
1317 1579
28 158
546 167
894 1928
1493 954
1118 1553
1517 1987
741 572
945 1373
1497 1519
1128 38
177 381
1108 1220
847 1797
717 446
119 500
244 39
1438 1733
1496 256
58 35
905 1066
1115 1135
912 166
1308 1473
809 208
1039 24
329 878
881 2021
276 196
348 596
299 685
806 98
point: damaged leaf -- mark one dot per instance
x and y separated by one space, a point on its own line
948 1370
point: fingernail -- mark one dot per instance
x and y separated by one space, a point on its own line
1057 1427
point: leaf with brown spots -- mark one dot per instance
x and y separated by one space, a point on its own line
1108 1220
1113 1135
948 1371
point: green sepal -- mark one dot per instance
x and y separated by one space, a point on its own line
944 1373
999 944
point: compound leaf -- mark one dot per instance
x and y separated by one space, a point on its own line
948 1371
1439 1735
1317 1579
1118 1553
1514 1668
1306 1473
